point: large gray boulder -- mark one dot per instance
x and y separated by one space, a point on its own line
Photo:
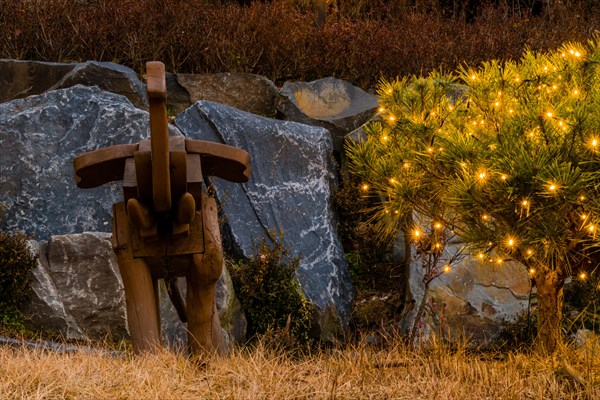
332 103
39 137
77 291
107 76
290 190
247 92
20 79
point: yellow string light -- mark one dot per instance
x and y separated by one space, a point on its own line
529 252
503 177
583 276
392 118
549 114
447 268
485 217
582 198
393 181
381 109
417 233
510 242
531 271
481 256
365 187
438 225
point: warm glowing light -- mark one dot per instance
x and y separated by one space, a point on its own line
545 68
447 268
577 54
517 79
529 252
510 242
438 226
450 108
497 104
571 51
582 198
583 216
510 111
392 118
365 187
482 175
582 276
531 271
490 244
389 91
594 142
549 114
503 177
381 109
525 203
417 233
499 261
592 228
473 77
437 245
430 149
406 165
552 187
575 92
396 212
485 217
393 181
385 138
481 255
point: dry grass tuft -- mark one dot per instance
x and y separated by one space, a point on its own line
259 372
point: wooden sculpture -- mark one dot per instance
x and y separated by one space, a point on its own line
167 226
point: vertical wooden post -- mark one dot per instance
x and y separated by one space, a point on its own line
159 133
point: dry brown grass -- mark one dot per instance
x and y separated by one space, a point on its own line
358 372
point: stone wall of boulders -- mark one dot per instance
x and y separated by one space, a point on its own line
50 112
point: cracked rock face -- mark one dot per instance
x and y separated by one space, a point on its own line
474 298
39 138
290 191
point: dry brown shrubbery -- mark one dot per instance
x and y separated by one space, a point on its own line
361 41
358 372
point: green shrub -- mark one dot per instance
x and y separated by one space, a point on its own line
16 263
270 295
582 303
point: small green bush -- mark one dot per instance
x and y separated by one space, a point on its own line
270 295
16 263
582 303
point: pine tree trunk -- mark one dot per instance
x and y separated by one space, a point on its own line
549 311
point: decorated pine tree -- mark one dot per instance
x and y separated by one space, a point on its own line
506 155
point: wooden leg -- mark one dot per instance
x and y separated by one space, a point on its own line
204 327
142 310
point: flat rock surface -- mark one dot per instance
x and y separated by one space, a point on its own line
247 92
